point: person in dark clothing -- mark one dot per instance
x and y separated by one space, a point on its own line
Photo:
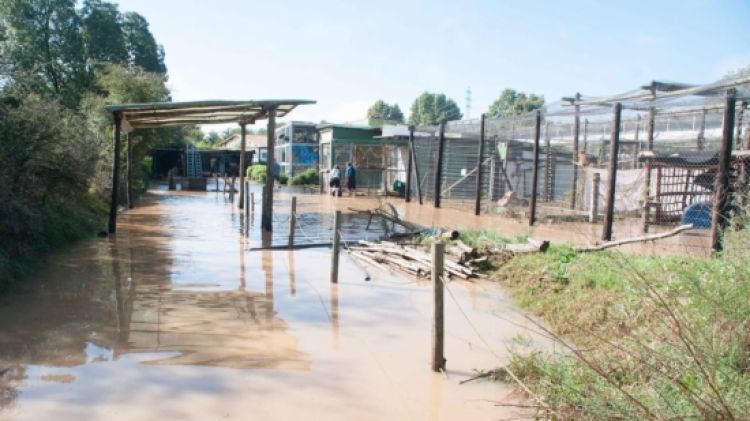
351 178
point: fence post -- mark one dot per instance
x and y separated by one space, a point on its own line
614 148
336 241
737 124
438 356
439 168
744 168
246 192
413 153
576 132
700 140
409 166
292 221
594 204
720 214
478 203
252 202
535 168
547 164
647 179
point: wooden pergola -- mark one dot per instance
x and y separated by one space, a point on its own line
157 115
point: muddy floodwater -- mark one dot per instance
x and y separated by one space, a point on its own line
179 317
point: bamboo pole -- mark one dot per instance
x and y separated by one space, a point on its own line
336 241
535 168
614 147
720 214
439 168
438 338
112 226
480 160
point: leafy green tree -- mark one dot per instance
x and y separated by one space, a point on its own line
43 37
102 32
430 109
141 45
511 103
383 111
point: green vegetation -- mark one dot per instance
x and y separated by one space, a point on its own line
430 109
60 66
381 110
256 172
511 103
305 178
645 337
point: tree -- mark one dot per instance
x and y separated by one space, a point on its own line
381 110
103 33
43 37
511 103
141 45
430 109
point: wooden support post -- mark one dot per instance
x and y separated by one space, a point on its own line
438 333
594 200
243 135
439 166
614 149
336 241
493 170
112 226
267 215
575 160
413 153
409 166
480 159
548 174
535 168
722 203
647 179
252 202
292 221
129 166
246 205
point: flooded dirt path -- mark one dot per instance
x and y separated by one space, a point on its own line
176 317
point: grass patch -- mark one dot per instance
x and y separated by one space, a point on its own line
650 337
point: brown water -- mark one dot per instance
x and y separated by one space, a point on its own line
176 317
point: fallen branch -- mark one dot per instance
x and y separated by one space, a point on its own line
650 237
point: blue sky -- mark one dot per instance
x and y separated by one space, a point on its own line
346 54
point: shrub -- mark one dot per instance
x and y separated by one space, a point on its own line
306 177
257 173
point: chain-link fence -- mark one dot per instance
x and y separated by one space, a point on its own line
660 148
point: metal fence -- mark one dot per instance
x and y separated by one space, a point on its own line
663 155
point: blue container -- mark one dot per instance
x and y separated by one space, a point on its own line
698 214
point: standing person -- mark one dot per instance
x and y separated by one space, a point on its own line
335 182
351 178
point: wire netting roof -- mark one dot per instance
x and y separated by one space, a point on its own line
166 114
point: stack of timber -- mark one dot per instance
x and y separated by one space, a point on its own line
461 260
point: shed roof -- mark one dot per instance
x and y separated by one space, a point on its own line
166 114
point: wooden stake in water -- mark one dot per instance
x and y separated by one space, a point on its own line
292 221
247 200
438 356
336 241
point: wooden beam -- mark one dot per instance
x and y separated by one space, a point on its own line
267 215
614 149
112 226
722 205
